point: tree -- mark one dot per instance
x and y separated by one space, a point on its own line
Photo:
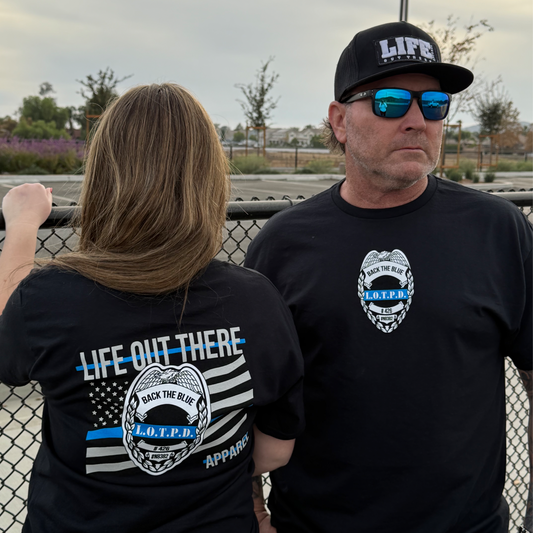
100 90
496 114
46 89
258 105
316 142
223 132
41 117
460 50
238 136
44 108
7 125
39 129
97 91
528 143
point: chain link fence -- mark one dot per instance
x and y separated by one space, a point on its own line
21 407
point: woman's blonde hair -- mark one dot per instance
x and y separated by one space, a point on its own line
153 200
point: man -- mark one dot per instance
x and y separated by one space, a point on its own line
408 292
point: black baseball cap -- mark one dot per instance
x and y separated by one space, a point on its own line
395 48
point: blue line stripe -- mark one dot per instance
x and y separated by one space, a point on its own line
106 433
152 354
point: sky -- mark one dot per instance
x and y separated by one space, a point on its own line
208 46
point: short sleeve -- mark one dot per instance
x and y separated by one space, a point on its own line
520 349
16 359
284 419
278 370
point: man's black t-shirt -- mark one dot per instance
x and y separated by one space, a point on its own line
147 424
404 317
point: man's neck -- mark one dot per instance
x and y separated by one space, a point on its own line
365 194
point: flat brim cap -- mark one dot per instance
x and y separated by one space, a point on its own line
391 49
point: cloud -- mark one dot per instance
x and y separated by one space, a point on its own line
209 46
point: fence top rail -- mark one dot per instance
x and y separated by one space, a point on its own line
247 210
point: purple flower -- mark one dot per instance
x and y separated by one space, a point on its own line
43 147
56 156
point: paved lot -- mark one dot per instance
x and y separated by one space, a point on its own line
67 188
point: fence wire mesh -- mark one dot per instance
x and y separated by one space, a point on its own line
21 407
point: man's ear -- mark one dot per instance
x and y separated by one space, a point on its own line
337 119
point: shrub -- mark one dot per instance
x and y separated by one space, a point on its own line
265 171
522 166
320 166
453 174
248 164
19 160
303 170
490 176
32 171
467 167
505 165
475 177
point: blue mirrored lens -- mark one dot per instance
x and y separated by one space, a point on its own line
435 105
391 103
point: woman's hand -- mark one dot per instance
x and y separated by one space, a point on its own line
28 204
24 208
264 522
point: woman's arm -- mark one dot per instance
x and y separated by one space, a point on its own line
263 518
24 209
270 453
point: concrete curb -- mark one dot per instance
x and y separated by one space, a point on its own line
37 179
286 177
16 179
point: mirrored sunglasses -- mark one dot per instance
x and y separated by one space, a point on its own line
394 103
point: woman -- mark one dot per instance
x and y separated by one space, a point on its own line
161 367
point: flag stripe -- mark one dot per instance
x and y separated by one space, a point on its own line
226 369
105 433
232 401
230 383
103 452
224 438
109 467
213 428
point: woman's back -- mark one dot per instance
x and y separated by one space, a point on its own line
151 414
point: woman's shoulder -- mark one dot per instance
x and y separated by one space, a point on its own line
50 274
52 285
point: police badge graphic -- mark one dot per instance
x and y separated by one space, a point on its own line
166 413
386 288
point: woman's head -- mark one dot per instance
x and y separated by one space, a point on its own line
154 195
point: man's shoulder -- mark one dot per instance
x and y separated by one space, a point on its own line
235 280
310 211
476 198
231 274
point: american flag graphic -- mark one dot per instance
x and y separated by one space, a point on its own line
230 390
107 400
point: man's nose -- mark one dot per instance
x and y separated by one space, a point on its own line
414 119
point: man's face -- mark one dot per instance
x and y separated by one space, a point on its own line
394 153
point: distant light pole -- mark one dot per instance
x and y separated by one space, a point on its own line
403 10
